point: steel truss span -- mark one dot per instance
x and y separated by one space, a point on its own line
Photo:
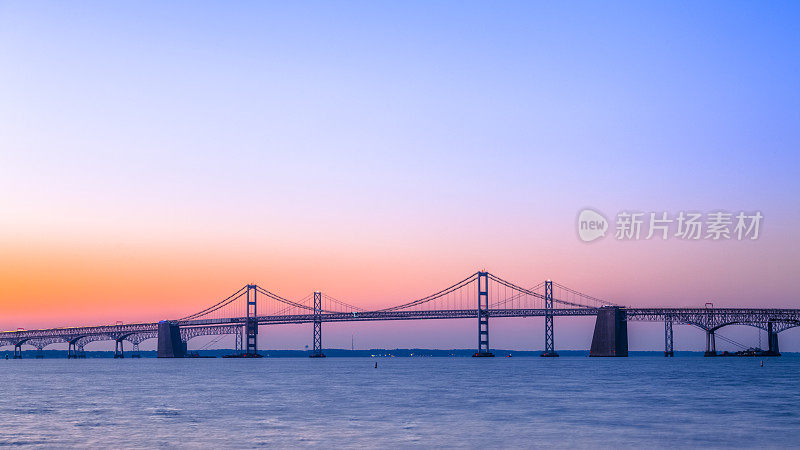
716 318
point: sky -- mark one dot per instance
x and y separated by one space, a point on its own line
154 157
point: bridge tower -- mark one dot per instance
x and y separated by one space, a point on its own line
251 327
668 336
317 347
549 344
483 315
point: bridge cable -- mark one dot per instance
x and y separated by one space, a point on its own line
217 306
441 293
536 294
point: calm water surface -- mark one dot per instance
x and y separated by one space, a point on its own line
405 402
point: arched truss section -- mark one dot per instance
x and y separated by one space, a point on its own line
73 334
77 343
783 326
778 326
713 319
6 343
188 333
41 343
717 327
135 337
81 341
694 324
758 325
138 338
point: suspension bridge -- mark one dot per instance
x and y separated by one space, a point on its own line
480 296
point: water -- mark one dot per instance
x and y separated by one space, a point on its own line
405 402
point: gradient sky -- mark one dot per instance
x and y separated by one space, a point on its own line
156 156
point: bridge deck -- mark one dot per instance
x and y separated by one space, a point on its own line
704 317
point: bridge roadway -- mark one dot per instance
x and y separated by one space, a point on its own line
391 315
713 318
773 320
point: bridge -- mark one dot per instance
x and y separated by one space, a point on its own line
480 296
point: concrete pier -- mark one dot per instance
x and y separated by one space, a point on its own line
610 333
772 338
170 344
711 343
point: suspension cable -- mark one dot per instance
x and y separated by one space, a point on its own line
445 291
218 305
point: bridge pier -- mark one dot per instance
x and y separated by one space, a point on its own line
72 350
549 341
317 338
610 333
483 316
668 337
119 349
711 343
170 344
17 351
772 339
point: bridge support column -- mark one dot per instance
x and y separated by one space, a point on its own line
668 336
711 343
317 344
610 333
772 339
119 350
251 326
549 341
483 315
17 351
238 344
72 350
170 344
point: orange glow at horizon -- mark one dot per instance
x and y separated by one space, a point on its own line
83 283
